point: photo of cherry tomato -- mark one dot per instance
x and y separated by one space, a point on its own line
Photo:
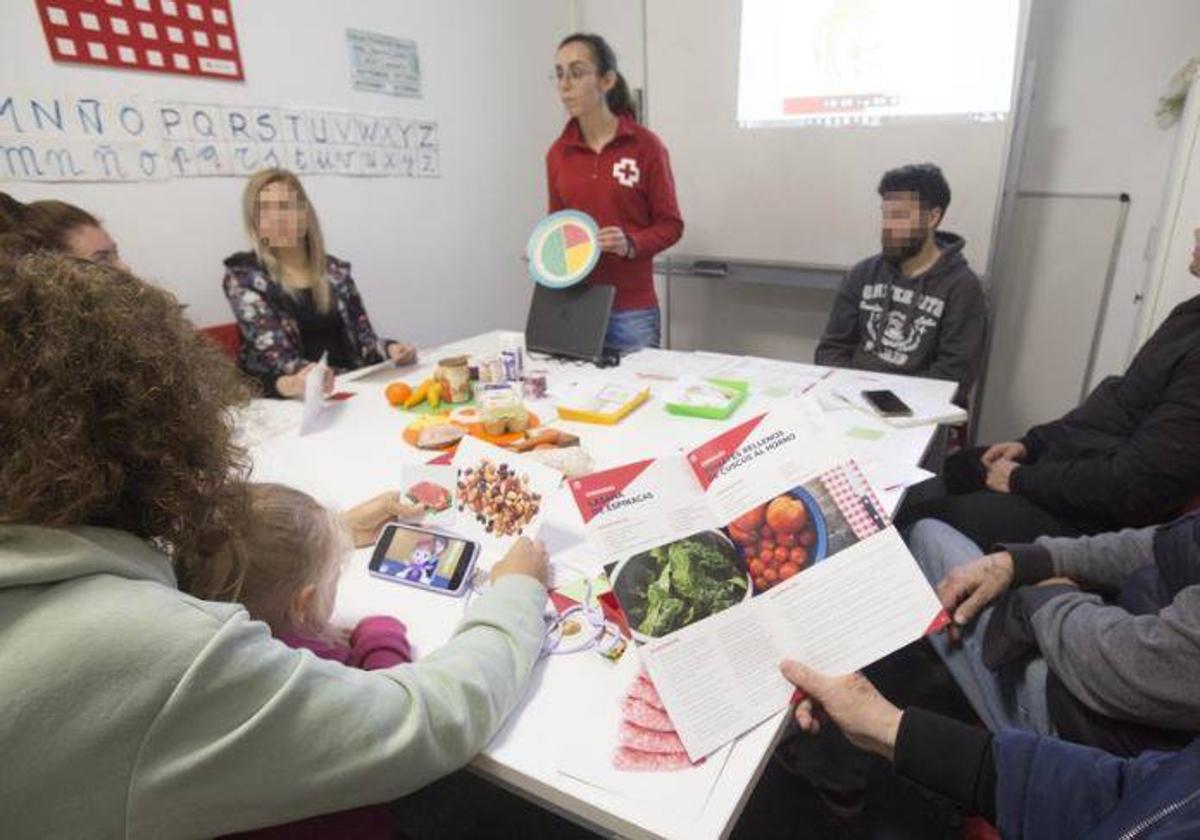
756 568
771 575
781 554
786 540
751 520
788 570
808 538
798 556
740 536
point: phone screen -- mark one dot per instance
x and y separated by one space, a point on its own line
887 403
423 558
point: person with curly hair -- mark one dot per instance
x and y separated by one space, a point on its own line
132 708
57 226
293 302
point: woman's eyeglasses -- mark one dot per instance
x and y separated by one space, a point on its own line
571 75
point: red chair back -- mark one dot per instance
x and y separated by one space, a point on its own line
227 336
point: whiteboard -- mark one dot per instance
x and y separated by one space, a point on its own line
802 195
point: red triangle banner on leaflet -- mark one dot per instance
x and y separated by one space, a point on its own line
938 624
593 492
707 459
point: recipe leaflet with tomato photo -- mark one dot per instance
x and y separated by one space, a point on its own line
764 543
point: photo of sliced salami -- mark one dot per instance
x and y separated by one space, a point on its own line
648 740
646 716
626 758
645 691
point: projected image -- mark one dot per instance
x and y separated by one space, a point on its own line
845 62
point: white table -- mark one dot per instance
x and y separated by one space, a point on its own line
359 452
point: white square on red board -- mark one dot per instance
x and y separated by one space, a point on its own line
94 31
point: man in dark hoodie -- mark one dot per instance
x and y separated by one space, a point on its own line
1127 457
916 307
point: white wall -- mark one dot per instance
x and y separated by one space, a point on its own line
1101 65
1167 286
435 259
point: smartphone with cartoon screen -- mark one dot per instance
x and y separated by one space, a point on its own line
424 559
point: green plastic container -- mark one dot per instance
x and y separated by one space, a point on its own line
740 389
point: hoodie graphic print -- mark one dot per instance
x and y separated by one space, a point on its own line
931 325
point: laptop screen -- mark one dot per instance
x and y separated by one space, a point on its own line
569 322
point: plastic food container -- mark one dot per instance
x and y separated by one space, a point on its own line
456 375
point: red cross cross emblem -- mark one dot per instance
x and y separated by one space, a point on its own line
626 172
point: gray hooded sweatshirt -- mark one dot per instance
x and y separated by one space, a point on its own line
129 709
930 325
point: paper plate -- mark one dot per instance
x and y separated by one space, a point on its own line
562 249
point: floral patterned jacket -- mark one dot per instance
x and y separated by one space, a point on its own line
270 333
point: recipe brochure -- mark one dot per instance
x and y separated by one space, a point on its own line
499 496
762 543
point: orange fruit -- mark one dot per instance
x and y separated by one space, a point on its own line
397 393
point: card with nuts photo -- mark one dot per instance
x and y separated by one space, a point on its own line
500 496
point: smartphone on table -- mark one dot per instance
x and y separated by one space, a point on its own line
424 558
887 404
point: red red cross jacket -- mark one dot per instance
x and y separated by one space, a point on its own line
629 185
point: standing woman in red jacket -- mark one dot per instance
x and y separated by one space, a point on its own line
617 172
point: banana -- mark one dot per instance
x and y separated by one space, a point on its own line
419 393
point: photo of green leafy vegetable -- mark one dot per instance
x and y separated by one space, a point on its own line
674 585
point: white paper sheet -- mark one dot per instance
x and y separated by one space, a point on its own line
537 485
720 677
314 398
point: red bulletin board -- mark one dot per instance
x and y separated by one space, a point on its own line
189 37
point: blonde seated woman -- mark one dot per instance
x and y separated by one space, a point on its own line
294 302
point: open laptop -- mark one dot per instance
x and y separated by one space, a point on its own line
571 322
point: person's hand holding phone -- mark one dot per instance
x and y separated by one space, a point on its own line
526 557
366 520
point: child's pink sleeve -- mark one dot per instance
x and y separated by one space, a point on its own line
379 641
